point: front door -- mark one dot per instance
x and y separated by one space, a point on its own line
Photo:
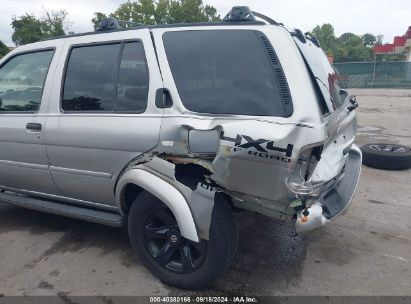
24 88
103 115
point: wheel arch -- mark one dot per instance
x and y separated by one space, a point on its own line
136 180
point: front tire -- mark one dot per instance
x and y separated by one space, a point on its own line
155 237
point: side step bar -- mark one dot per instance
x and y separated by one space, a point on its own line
81 213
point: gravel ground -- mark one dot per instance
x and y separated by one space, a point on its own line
365 252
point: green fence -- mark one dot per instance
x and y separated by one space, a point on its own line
375 74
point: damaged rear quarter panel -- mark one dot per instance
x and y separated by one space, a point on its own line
252 157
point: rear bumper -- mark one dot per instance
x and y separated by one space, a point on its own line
336 200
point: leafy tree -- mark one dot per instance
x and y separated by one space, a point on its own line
54 23
369 39
3 49
161 12
29 28
379 39
348 47
326 36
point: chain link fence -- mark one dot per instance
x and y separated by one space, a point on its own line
375 74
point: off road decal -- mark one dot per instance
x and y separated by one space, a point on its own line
261 145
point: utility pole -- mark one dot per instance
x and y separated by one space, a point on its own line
373 71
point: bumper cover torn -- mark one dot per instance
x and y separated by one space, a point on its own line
336 200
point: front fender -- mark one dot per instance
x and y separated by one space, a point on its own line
165 192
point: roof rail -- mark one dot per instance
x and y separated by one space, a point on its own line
111 23
266 19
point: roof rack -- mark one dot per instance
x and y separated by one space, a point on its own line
111 23
244 13
238 15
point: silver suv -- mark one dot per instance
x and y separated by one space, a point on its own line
169 129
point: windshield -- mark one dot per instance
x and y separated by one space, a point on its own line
227 72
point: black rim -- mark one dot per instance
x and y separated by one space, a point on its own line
166 245
387 148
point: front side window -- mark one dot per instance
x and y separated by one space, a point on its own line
228 72
22 81
111 77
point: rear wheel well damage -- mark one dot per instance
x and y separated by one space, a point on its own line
191 180
187 174
130 192
191 174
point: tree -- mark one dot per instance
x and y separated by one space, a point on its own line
348 46
3 49
161 12
326 36
29 28
369 39
54 23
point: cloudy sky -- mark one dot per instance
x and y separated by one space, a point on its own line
389 18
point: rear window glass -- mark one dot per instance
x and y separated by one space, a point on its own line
228 72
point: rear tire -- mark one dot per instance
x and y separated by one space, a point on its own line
208 259
386 156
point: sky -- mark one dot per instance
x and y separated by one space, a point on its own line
388 18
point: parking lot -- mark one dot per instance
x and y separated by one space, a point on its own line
365 252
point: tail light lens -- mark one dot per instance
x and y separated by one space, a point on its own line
299 180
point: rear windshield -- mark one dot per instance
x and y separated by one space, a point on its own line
228 72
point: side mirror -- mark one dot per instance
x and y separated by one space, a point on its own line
343 92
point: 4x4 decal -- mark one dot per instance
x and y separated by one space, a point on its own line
257 144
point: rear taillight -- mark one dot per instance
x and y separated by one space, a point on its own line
299 180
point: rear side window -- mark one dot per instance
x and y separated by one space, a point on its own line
326 78
132 86
22 81
228 72
111 77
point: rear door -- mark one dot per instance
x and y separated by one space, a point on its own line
103 113
26 78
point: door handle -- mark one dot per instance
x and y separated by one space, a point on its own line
31 126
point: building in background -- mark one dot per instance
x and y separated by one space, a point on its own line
401 45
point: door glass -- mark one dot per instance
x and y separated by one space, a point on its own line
22 80
90 82
132 87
